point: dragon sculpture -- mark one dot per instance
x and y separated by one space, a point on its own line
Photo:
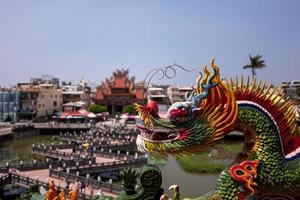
268 167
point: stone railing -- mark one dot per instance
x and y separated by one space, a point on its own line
27 181
96 184
45 165
115 165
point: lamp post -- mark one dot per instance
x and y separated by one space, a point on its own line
2 100
32 105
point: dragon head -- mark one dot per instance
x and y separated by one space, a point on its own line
192 125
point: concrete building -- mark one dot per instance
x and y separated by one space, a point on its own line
45 79
173 94
9 104
178 94
49 101
159 94
292 89
76 93
185 92
28 100
29 93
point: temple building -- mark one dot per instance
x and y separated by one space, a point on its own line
119 91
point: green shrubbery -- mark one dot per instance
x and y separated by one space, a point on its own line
95 108
206 163
199 164
102 198
130 109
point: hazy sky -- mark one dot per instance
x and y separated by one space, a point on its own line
88 39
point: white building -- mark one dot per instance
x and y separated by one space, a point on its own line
179 94
76 93
173 94
158 94
292 89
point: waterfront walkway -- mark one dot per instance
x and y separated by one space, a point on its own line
101 152
43 176
5 131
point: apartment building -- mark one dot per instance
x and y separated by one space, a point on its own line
9 104
292 89
49 101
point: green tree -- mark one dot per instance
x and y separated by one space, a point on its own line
95 108
130 109
256 62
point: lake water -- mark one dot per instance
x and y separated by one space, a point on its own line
191 185
20 149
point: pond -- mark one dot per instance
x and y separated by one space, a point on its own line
20 149
191 184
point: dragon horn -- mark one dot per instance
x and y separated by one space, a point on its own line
206 84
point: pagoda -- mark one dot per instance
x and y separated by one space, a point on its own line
119 91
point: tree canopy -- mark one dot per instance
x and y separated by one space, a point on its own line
130 109
95 108
256 62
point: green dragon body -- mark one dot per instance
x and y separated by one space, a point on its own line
268 166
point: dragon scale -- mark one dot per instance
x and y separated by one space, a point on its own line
263 140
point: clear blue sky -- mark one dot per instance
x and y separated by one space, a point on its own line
88 39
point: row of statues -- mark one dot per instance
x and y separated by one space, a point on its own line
52 193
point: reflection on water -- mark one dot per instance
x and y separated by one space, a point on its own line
20 149
190 184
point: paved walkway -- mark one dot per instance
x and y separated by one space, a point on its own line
43 176
5 131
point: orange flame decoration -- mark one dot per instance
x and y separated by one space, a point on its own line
219 106
144 114
245 172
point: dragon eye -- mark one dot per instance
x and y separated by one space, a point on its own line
248 167
240 172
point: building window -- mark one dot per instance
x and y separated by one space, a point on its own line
54 103
39 105
43 96
43 105
55 96
51 96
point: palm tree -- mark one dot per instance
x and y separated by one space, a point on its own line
255 63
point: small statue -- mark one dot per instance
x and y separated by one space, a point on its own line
164 197
176 195
62 196
73 195
51 193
